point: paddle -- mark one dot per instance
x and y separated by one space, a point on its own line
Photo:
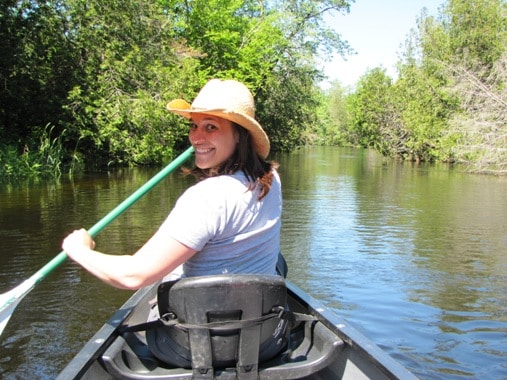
11 299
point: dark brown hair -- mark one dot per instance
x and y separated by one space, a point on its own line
257 170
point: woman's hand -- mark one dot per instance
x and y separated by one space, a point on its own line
157 257
78 241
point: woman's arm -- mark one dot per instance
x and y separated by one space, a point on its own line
159 256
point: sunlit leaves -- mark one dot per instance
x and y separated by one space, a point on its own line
448 101
104 70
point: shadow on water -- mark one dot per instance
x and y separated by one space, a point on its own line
413 255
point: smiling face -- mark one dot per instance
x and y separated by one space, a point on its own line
214 140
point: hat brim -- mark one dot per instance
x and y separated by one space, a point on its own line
259 137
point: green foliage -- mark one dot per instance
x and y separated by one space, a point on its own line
338 116
477 30
370 108
41 158
36 68
330 117
271 47
424 106
230 36
448 102
104 71
288 99
284 122
129 72
462 80
405 119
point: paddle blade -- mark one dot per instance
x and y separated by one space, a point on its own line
10 300
5 316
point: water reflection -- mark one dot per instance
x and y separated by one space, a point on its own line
413 255
64 310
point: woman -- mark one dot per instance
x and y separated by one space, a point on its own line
229 222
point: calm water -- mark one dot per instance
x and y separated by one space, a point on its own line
414 256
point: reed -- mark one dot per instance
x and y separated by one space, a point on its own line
40 160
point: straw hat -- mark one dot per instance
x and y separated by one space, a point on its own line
228 99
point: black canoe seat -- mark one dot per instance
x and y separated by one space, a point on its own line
221 301
227 327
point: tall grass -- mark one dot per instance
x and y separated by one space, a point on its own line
43 159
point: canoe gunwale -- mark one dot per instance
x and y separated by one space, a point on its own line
98 344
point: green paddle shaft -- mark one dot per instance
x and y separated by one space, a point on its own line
118 210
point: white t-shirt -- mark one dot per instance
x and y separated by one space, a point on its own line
233 231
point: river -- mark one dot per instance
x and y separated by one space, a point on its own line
414 256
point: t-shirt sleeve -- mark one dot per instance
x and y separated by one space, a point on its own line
194 219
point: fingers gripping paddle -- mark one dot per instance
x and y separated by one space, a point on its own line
11 299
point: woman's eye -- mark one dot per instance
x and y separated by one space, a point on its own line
208 127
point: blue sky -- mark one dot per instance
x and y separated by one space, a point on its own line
376 30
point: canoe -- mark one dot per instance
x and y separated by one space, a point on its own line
318 345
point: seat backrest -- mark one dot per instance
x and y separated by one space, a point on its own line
201 300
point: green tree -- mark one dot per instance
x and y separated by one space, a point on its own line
130 65
36 70
287 107
424 106
477 30
371 111
462 82
272 47
333 128
294 112
103 71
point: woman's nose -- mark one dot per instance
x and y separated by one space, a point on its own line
196 136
